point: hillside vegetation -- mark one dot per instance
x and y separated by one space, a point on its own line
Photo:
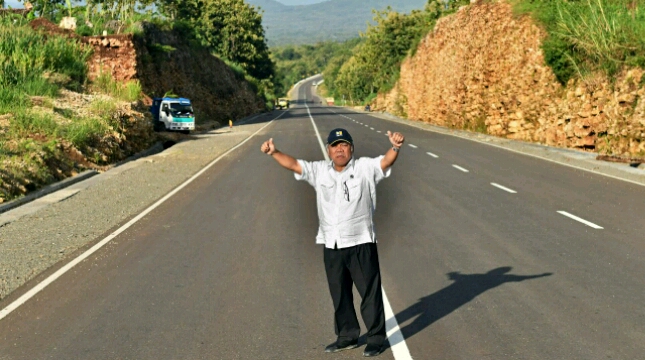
589 35
70 103
583 37
294 63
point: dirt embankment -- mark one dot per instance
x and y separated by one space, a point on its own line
483 69
164 61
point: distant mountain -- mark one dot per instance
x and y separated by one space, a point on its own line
328 20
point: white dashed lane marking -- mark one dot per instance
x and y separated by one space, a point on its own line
412 146
588 223
504 188
459 168
433 155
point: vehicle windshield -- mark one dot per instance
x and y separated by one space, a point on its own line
181 110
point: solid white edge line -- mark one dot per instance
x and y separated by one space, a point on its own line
504 188
459 168
51 278
394 336
412 146
433 155
400 348
588 223
322 146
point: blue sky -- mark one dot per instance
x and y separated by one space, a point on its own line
13 3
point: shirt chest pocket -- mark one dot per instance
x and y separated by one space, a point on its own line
352 190
328 190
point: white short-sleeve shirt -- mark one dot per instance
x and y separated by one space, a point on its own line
346 200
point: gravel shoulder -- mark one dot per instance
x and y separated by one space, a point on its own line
77 216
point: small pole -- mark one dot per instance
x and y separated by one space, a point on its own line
230 124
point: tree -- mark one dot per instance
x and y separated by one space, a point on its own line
232 28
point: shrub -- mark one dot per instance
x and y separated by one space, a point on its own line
589 35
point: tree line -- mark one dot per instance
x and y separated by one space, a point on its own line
357 70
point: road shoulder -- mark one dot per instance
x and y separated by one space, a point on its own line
50 235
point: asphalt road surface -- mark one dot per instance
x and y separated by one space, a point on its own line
485 254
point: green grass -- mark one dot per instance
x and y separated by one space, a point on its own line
28 58
25 123
130 91
82 132
589 35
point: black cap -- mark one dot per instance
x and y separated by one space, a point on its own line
337 135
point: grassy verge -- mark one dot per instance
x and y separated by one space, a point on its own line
46 134
589 35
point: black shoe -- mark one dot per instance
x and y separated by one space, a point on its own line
341 345
372 350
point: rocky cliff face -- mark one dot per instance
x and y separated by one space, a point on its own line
483 69
164 61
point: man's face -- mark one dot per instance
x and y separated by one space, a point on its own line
340 153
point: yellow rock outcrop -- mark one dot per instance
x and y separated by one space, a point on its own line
483 68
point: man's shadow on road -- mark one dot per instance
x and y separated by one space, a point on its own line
465 288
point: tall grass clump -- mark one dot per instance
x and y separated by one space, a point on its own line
129 91
590 35
25 123
26 56
82 132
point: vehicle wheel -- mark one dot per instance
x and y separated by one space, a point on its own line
158 126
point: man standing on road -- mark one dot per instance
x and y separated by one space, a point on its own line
346 199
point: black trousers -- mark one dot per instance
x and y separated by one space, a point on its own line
356 265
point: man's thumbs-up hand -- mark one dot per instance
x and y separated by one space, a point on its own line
396 139
268 147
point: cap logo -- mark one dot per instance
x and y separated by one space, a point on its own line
339 133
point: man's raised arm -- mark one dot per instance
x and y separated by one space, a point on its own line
286 161
396 139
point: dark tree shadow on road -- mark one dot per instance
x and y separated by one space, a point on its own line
465 288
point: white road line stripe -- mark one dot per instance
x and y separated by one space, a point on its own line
400 348
412 146
398 345
559 162
40 286
378 131
588 223
366 125
504 188
459 168
433 155
322 147
371 128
